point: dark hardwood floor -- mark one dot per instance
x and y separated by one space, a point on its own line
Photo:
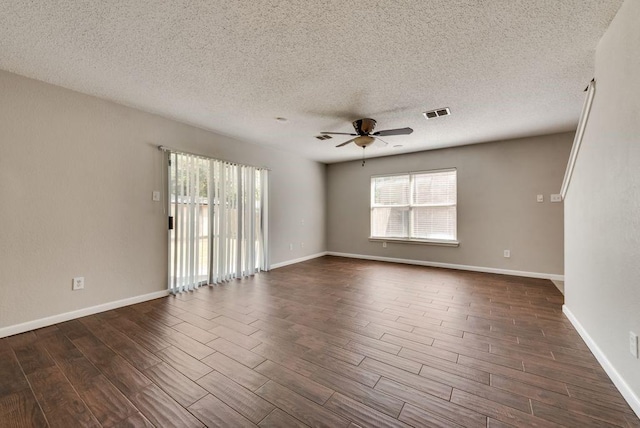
330 342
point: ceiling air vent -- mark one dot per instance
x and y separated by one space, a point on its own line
432 114
324 137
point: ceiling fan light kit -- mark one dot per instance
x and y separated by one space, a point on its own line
364 141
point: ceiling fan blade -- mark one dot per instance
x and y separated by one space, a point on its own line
387 132
339 133
346 142
382 141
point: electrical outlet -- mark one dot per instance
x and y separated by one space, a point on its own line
78 283
556 197
633 344
384 245
302 245
540 198
290 247
507 253
156 196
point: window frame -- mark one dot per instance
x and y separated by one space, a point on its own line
409 207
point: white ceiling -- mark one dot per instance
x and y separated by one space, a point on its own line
506 68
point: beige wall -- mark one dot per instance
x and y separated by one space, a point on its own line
76 177
497 209
602 206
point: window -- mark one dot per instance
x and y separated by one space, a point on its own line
419 206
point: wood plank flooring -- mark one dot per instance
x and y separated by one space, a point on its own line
330 342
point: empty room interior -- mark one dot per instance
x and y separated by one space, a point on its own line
341 214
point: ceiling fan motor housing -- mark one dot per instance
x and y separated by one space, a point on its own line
364 126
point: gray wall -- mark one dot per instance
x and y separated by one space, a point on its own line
76 177
602 206
497 209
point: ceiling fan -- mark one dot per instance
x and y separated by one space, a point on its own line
365 136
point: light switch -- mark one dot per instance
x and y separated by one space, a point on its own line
540 198
556 197
156 196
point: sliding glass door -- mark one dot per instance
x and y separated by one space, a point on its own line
218 221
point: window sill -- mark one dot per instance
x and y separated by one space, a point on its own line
436 242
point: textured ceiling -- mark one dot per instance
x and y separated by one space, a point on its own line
506 68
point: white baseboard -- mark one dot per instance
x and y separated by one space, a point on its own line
549 276
301 259
54 319
618 381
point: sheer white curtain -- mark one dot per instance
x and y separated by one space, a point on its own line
220 218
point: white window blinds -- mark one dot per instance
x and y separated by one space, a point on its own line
219 212
415 206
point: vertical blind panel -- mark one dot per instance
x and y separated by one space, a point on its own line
435 188
189 207
219 212
263 232
391 190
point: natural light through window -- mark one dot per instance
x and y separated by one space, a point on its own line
419 206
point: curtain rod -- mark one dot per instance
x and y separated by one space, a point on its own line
182 152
